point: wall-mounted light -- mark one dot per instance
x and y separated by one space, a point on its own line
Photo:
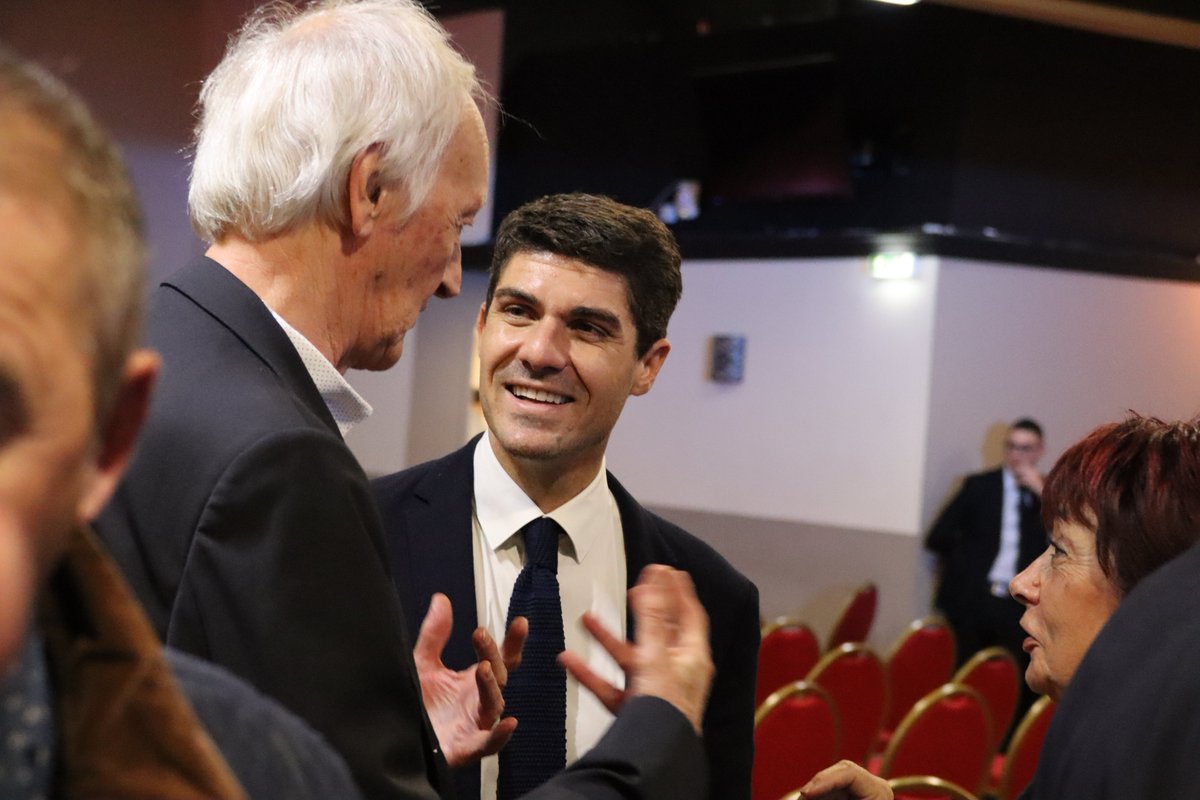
899 2
727 358
899 265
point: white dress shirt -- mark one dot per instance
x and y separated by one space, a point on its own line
591 577
1005 565
347 406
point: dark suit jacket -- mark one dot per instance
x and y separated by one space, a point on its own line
427 523
248 531
1128 725
966 537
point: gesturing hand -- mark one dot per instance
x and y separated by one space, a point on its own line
670 658
465 705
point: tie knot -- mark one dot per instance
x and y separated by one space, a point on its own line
541 543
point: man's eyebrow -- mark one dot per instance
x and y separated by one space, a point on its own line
14 413
508 293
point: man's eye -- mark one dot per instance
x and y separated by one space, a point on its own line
590 329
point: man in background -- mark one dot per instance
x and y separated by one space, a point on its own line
989 532
574 323
339 154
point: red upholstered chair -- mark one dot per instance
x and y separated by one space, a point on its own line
921 660
948 734
854 623
1013 771
857 680
788 651
796 735
911 787
993 672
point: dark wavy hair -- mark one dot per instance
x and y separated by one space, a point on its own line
599 231
1137 485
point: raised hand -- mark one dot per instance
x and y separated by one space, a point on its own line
670 657
465 705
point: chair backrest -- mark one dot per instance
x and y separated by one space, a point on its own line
856 678
927 786
788 651
1020 762
921 660
948 733
797 734
993 672
854 623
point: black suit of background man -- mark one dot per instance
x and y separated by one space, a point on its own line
966 538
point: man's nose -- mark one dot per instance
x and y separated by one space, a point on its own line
545 346
451 283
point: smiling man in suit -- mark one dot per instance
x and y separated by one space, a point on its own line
574 324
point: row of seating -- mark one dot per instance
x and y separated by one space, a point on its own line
922 659
860 704
947 734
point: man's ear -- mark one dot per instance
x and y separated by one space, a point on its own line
119 434
648 367
365 191
481 319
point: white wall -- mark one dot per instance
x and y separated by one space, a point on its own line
863 403
1072 350
828 426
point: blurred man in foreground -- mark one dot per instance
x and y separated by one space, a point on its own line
92 705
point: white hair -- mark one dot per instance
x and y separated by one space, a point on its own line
300 93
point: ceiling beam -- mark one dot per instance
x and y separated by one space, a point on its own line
1093 17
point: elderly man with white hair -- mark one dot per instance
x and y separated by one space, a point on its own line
339 154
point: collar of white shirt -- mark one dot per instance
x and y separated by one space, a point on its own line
503 508
347 406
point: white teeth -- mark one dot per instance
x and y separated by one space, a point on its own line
538 395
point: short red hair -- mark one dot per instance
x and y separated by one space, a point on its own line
1137 485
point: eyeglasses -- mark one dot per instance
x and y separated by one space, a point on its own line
1012 447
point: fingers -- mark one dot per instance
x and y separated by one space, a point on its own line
491 701
654 605
497 737
672 658
514 642
605 692
846 779
486 652
620 650
693 621
435 632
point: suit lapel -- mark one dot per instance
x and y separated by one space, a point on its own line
442 555
641 543
218 291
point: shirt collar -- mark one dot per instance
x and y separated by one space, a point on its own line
347 406
503 508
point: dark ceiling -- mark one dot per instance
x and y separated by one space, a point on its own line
820 127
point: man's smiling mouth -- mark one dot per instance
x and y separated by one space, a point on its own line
538 395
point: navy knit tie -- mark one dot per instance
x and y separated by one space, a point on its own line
537 690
